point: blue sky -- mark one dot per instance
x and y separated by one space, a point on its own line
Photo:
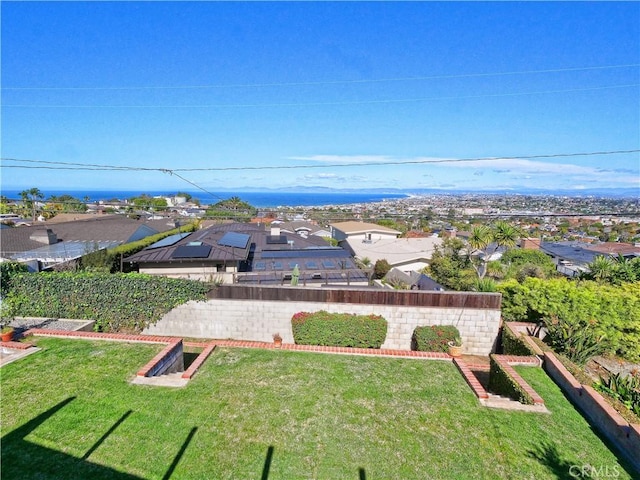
364 95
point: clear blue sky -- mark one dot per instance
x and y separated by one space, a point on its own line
216 85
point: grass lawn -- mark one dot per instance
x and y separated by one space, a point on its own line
69 412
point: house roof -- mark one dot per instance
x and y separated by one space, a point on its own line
613 248
396 251
212 247
354 228
111 229
261 257
570 251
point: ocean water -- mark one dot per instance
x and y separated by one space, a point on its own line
257 199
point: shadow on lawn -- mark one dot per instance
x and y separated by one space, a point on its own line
23 459
547 454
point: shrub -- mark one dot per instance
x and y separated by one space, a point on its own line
339 329
381 268
613 311
576 340
7 270
434 338
514 345
117 302
502 383
625 388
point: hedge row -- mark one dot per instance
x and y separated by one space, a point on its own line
434 338
513 344
339 329
502 383
613 311
117 302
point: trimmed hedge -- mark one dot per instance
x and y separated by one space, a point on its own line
339 329
613 311
117 302
515 345
502 383
433 338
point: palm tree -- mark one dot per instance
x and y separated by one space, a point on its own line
501 234
29 198
601 269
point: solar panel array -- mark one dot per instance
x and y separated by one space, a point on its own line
235 240
192 251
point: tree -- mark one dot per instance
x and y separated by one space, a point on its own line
486 241
450 265
29 198
233 207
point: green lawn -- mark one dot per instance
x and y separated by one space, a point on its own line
69 412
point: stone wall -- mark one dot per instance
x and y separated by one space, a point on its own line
259 319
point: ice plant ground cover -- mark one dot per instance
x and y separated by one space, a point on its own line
279 415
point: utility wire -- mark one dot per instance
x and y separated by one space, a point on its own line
333 82
80 166
315 104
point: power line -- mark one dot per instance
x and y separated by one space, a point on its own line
353 102
334 82
80 166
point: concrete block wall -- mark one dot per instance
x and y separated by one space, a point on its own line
259 320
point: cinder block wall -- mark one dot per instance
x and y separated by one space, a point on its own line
259 319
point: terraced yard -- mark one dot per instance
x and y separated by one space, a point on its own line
68 411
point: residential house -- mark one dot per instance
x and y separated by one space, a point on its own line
43 246
249 253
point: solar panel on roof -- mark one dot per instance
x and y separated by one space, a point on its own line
192 251
170 240
276 239
233 239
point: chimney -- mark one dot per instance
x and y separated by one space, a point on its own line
47 237
275 231
530 243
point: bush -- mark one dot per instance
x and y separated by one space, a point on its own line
7 270
577 341
117 302
339 329
434 338
514 345
502 383
613 311
381 268
625 388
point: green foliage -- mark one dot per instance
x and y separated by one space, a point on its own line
7 270
625 388
117 302
451 267
339 329
522 263
147 202
613 271
381 268
502 383
610 311
66 203
576 340
109 260
485 285
233 207
434 338
514 345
